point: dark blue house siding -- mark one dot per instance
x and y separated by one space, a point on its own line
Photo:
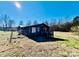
36 30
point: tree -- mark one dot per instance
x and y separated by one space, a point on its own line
75 24
11 23
1 23
35 22
21 23
28 23
5 19
6 23
0 20
76 21
46 22
19 30
53 22
59 21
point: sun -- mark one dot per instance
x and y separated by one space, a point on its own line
17 4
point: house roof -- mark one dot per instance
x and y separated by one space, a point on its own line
37 25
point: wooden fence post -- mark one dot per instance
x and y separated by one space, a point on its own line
11 37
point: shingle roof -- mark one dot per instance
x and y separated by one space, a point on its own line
36 25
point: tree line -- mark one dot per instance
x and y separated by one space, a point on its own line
8 24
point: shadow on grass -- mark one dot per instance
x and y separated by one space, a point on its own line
45 39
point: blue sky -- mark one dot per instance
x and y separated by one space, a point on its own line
40 11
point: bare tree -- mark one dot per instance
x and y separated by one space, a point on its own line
6 23
46 22
4 20
21 23
10 27
1 23
11 23
59 22
0 20
28 23
35 22
52 22
19 27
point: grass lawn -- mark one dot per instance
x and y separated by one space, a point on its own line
71 39
23 46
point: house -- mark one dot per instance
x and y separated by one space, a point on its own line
35 30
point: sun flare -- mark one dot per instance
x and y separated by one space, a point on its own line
17 4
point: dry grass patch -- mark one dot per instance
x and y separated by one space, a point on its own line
23 46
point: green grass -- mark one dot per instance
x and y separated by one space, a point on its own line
68 40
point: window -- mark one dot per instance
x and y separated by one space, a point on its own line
33 29
38 29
